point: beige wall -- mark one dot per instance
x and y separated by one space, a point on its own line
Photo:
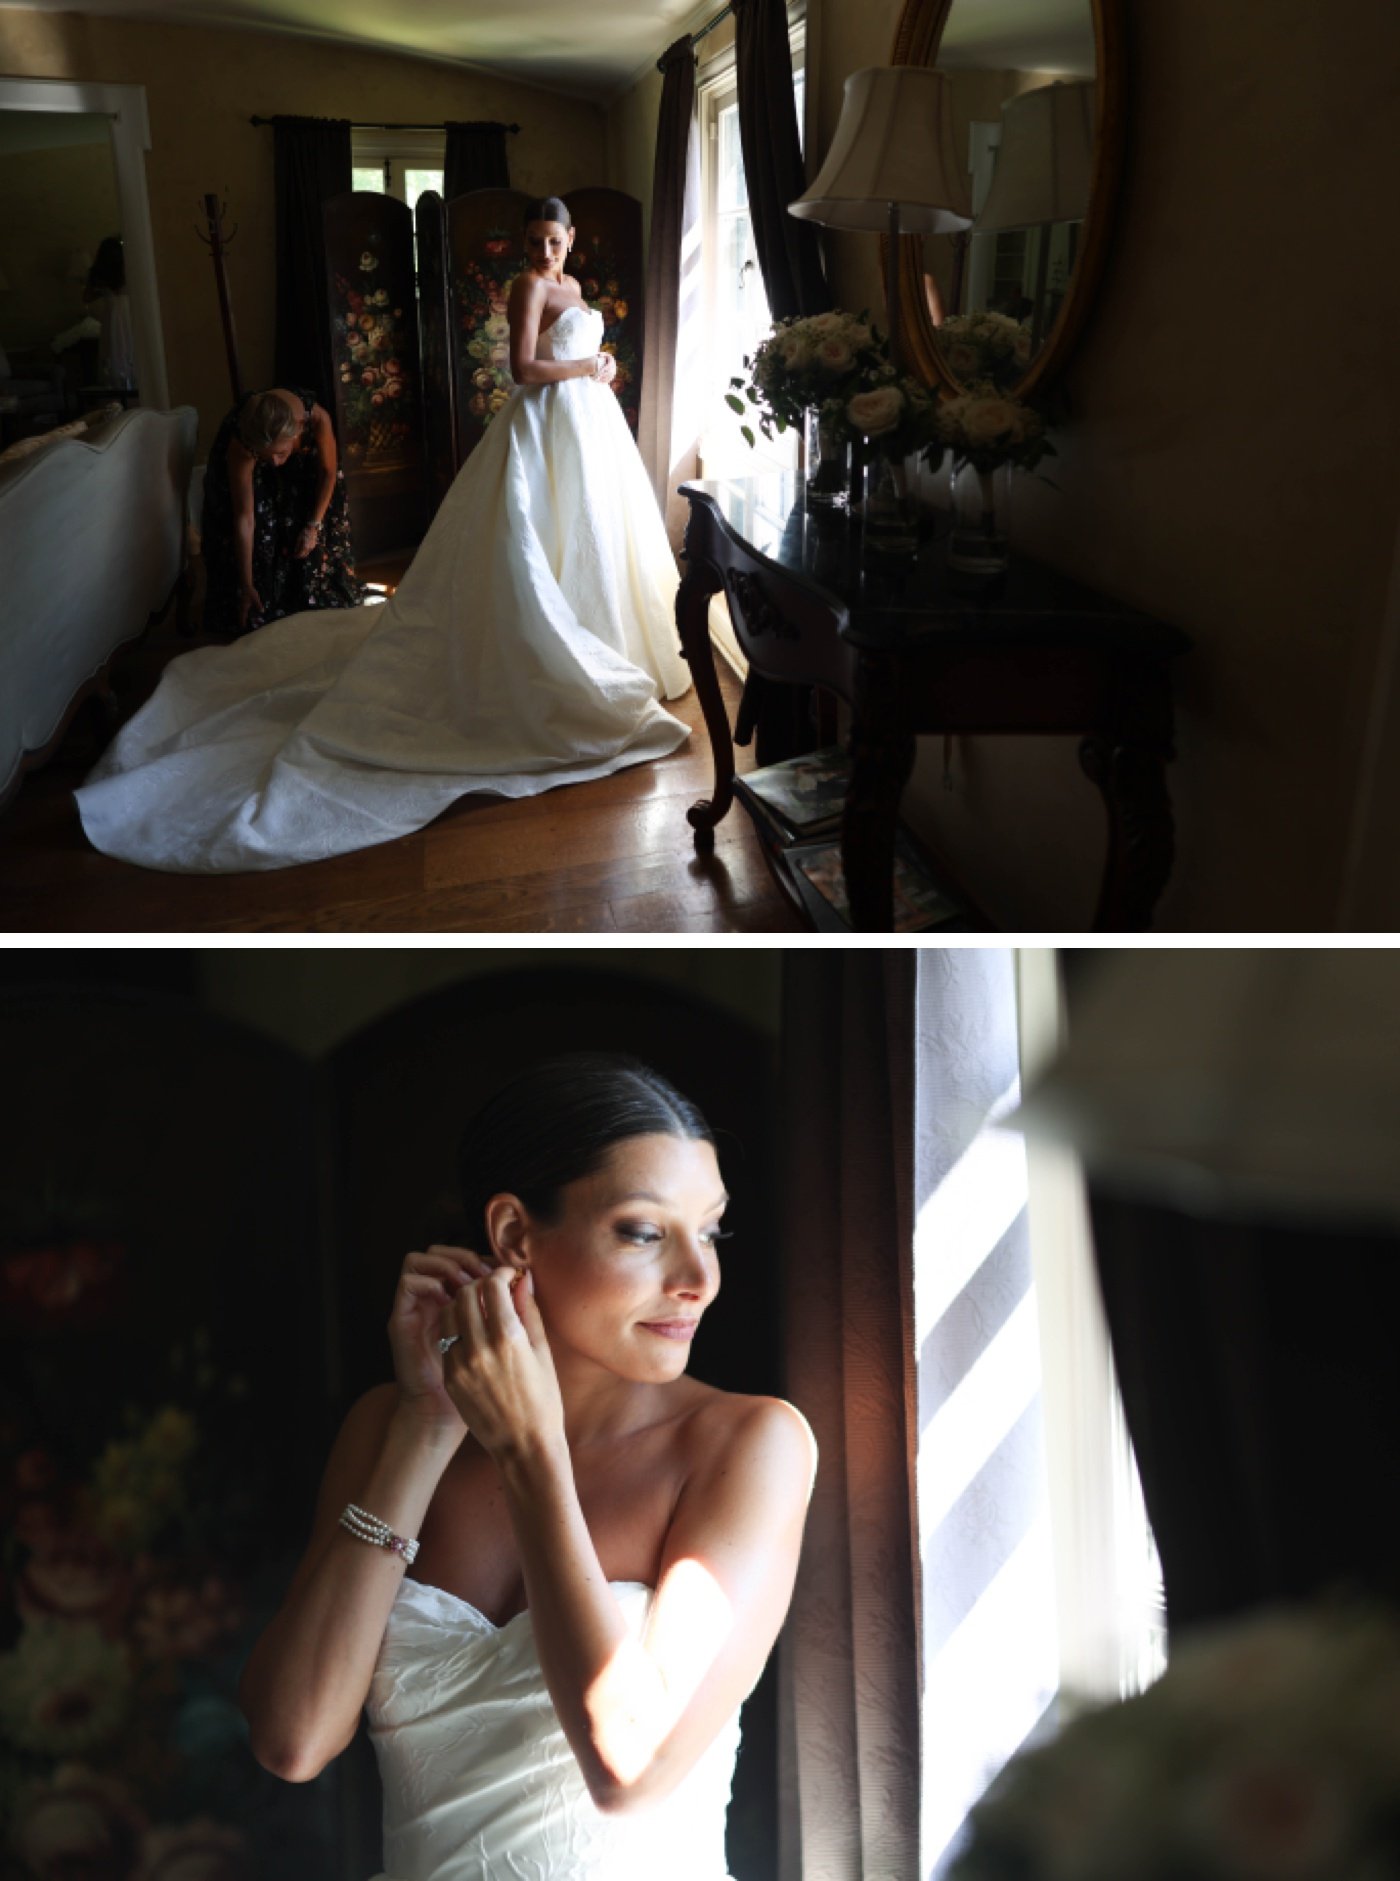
202 85
1232 464
53 202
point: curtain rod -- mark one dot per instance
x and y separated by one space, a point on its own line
708 27
392 127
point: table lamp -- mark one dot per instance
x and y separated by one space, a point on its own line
1042 170
891 166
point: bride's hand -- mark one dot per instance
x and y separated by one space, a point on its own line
500 1374
428 1284
606 369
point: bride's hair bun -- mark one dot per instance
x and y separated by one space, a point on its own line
548 209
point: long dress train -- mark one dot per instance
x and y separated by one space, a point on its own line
524 648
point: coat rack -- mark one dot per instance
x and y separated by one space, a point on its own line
218 247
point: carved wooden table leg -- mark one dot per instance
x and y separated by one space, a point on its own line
693 622
1141 836
882 757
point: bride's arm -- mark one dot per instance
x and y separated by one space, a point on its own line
527 301
307 1678
638 1714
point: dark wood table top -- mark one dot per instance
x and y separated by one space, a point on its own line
897 603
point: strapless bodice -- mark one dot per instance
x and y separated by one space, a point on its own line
479 1781
576 332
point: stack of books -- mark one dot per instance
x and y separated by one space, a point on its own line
796 809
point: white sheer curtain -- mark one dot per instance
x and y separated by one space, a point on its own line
1109 1607
687 406
990 1659
1037 1573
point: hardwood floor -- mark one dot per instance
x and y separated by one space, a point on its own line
614 856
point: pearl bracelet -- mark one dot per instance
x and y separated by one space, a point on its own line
366 1527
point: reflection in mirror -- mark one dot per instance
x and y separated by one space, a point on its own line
1019 79
65 322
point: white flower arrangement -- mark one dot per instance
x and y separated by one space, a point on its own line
985 349
1268 1751
815 362
986 429
893 419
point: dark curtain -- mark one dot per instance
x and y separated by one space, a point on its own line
773 170
663 290
476 159
849 1654
1257 1366
312 164
792 274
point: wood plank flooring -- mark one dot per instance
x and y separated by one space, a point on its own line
615 856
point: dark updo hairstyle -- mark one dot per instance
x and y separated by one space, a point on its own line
547 209
108 268
556 1122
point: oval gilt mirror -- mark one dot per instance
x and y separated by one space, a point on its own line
1030 135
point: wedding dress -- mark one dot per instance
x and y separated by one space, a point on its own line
524 648
479 1781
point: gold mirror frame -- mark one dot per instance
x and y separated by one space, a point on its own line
916 43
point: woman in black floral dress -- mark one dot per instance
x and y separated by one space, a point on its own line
276 532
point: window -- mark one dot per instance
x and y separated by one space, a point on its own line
401 163
736 315
1040 1583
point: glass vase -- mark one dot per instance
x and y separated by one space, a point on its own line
890 518
828 457
978 546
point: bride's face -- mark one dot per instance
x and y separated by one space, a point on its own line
546 245
633 1248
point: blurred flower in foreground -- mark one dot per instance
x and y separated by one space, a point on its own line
1268 1751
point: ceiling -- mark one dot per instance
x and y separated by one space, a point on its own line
584 51
1020 35
597 52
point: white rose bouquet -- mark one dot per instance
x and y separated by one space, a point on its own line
893 418
986 429
1268 1751
986 351
810 363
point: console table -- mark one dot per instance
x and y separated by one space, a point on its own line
911 653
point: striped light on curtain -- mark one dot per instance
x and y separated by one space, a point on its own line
990 1651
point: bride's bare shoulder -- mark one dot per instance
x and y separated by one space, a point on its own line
720 1420
527 290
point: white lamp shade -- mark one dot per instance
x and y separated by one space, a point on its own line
1235 1080
1045 159
893 144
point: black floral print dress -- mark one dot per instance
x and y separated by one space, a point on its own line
283 499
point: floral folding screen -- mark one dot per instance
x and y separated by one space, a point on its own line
163 1411
379 390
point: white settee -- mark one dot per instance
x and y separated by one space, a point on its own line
92 546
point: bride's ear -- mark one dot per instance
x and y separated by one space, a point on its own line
507 1226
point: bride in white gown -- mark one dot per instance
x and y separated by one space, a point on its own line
525 647
608 1547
